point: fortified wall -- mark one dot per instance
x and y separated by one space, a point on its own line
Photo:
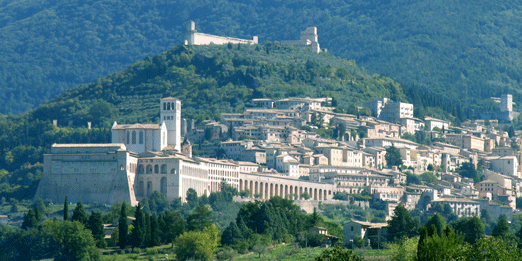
192 37
91 173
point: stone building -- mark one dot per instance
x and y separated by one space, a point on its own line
91 173
309 39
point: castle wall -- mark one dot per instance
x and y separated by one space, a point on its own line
91 173
206 39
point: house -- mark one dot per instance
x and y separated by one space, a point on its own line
366 230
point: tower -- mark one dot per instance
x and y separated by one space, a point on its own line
190 32
170 114
506 102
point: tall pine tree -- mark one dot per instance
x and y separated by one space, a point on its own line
123 227
138 233
66 209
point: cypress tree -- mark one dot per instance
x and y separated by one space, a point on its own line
29 220
66 209
123 227
154 231
95 224
138 233
422 239
79 214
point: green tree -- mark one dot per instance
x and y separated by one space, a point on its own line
30 220
95 224
79 214
493 248
66 209
339 254
502 227
231 235
438 221
155 233
123 227
472 228
402 224
172 226
198 245
393 156
449 246
138 234
192 197
76 242
200 218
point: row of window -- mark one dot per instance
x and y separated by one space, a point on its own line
134 137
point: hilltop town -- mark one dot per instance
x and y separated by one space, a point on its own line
273 149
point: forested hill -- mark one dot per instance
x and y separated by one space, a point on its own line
215 79
209 80
464 50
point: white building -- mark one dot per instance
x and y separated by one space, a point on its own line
153 137
432 123
139 138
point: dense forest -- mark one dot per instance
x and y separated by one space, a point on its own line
457 49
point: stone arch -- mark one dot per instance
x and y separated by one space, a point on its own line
256 188
149 188
164 169
149 169
286 191
271 194
141 169
315 194
168 106
320 194
163 183
141 188
156 169
252 192
324 197
266 195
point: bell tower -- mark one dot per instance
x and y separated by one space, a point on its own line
170 113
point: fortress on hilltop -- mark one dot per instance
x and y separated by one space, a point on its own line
309 39
192 37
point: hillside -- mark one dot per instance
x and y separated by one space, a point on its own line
467 51
209 80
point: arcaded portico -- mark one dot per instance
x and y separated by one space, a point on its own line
267 186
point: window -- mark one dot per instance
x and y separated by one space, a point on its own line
164 106
141 137
168 106
128 137
133 137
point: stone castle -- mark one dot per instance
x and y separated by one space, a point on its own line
192 37
309 38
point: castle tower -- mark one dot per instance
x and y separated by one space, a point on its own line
170 114
190 32
506 102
